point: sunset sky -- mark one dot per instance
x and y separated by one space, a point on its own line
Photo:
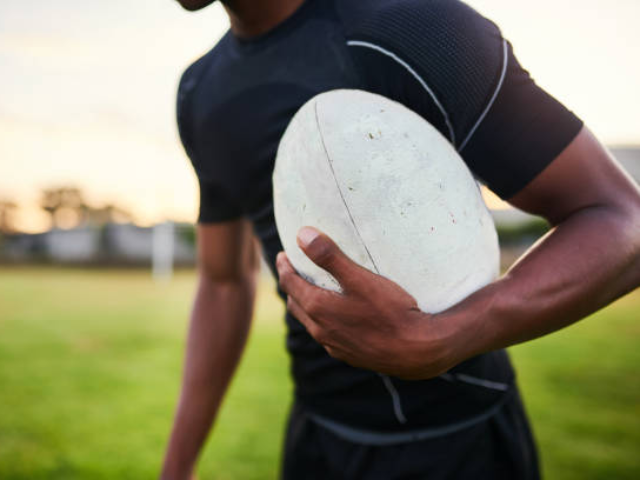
88 90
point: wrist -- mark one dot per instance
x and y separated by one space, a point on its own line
472 327
460 332
428 351
441 344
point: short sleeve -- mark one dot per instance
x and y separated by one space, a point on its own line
216 205
520 132
451 65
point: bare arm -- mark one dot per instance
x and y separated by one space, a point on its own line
220 322
590 258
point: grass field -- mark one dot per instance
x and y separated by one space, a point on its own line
90 367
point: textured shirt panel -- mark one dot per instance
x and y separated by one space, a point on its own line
524 130
456 51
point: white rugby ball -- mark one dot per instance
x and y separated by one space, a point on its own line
391 191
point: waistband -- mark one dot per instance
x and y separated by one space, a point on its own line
374 438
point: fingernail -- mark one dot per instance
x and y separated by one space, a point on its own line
306 235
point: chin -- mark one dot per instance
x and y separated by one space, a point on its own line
193 5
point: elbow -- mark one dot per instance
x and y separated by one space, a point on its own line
634 221
627 233
630 213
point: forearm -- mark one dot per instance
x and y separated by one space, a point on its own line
218 330
586 262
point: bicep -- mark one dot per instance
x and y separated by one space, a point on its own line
583 175
225 239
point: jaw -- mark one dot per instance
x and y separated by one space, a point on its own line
193 5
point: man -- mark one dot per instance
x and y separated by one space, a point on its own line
382 390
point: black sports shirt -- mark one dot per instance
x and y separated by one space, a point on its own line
439 58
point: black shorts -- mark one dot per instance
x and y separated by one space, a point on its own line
501 447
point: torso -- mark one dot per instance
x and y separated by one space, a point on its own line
234 105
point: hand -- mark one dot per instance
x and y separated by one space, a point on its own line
372 324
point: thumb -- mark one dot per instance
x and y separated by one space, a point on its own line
324 252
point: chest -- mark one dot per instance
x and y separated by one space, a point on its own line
243 106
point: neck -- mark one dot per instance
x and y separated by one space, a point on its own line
255 17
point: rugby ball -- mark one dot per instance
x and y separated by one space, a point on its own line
391 191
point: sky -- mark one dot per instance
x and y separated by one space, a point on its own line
87 90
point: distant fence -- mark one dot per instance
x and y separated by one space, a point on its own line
166 245
111 244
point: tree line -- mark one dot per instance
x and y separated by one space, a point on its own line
66 207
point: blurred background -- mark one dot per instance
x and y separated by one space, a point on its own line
97 204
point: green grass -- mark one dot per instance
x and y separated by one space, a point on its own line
90 365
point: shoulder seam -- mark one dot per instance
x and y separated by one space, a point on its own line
421 81
503 73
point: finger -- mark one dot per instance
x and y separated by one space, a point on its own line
335 352
310 297
303 317
324 252
288 278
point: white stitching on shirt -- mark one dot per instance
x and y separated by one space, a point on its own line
481 382
358 43
395 398
503 74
